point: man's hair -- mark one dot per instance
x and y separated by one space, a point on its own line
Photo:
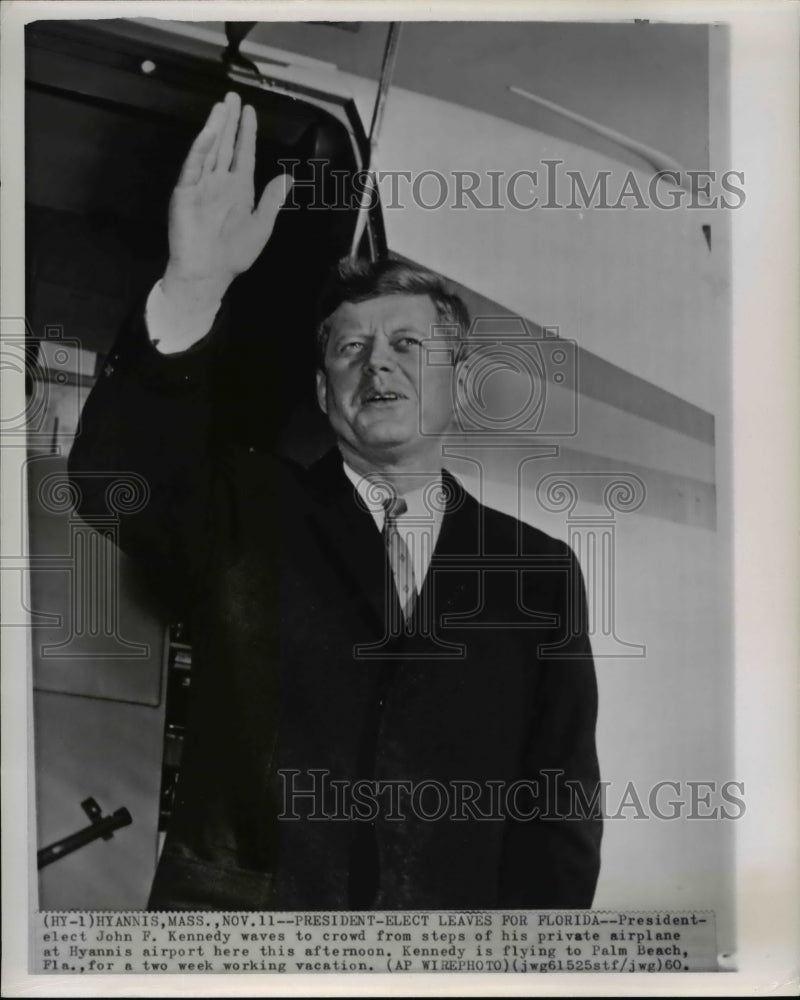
359 281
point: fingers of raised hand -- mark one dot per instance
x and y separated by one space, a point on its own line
225 147
244 154
201 147
224 150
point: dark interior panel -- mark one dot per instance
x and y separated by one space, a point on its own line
104 144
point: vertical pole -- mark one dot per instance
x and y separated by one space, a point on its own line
387 71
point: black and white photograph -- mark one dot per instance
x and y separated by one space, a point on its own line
375 446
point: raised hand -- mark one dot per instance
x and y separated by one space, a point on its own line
216 230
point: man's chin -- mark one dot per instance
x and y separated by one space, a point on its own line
387 432
387 442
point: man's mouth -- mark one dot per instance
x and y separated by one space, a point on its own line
375 397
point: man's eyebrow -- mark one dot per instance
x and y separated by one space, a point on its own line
410 328
349 331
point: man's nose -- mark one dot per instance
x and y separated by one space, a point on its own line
379 357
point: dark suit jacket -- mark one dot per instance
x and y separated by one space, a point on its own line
285 583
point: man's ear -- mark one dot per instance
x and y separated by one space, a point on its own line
322 390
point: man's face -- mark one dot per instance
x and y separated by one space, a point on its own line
377 389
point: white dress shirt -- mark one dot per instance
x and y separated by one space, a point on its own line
419 526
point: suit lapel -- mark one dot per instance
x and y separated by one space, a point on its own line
459 539
347 534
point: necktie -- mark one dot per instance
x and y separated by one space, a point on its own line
399 557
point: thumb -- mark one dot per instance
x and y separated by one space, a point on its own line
273 199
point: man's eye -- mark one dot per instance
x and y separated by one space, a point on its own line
405 342
350 347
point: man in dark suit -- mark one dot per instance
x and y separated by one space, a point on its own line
395 698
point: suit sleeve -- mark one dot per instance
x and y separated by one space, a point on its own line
145 461
552 860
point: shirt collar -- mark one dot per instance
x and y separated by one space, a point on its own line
424 502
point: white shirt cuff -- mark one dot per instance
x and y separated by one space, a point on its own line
172 331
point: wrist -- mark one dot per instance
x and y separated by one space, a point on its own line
196 293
